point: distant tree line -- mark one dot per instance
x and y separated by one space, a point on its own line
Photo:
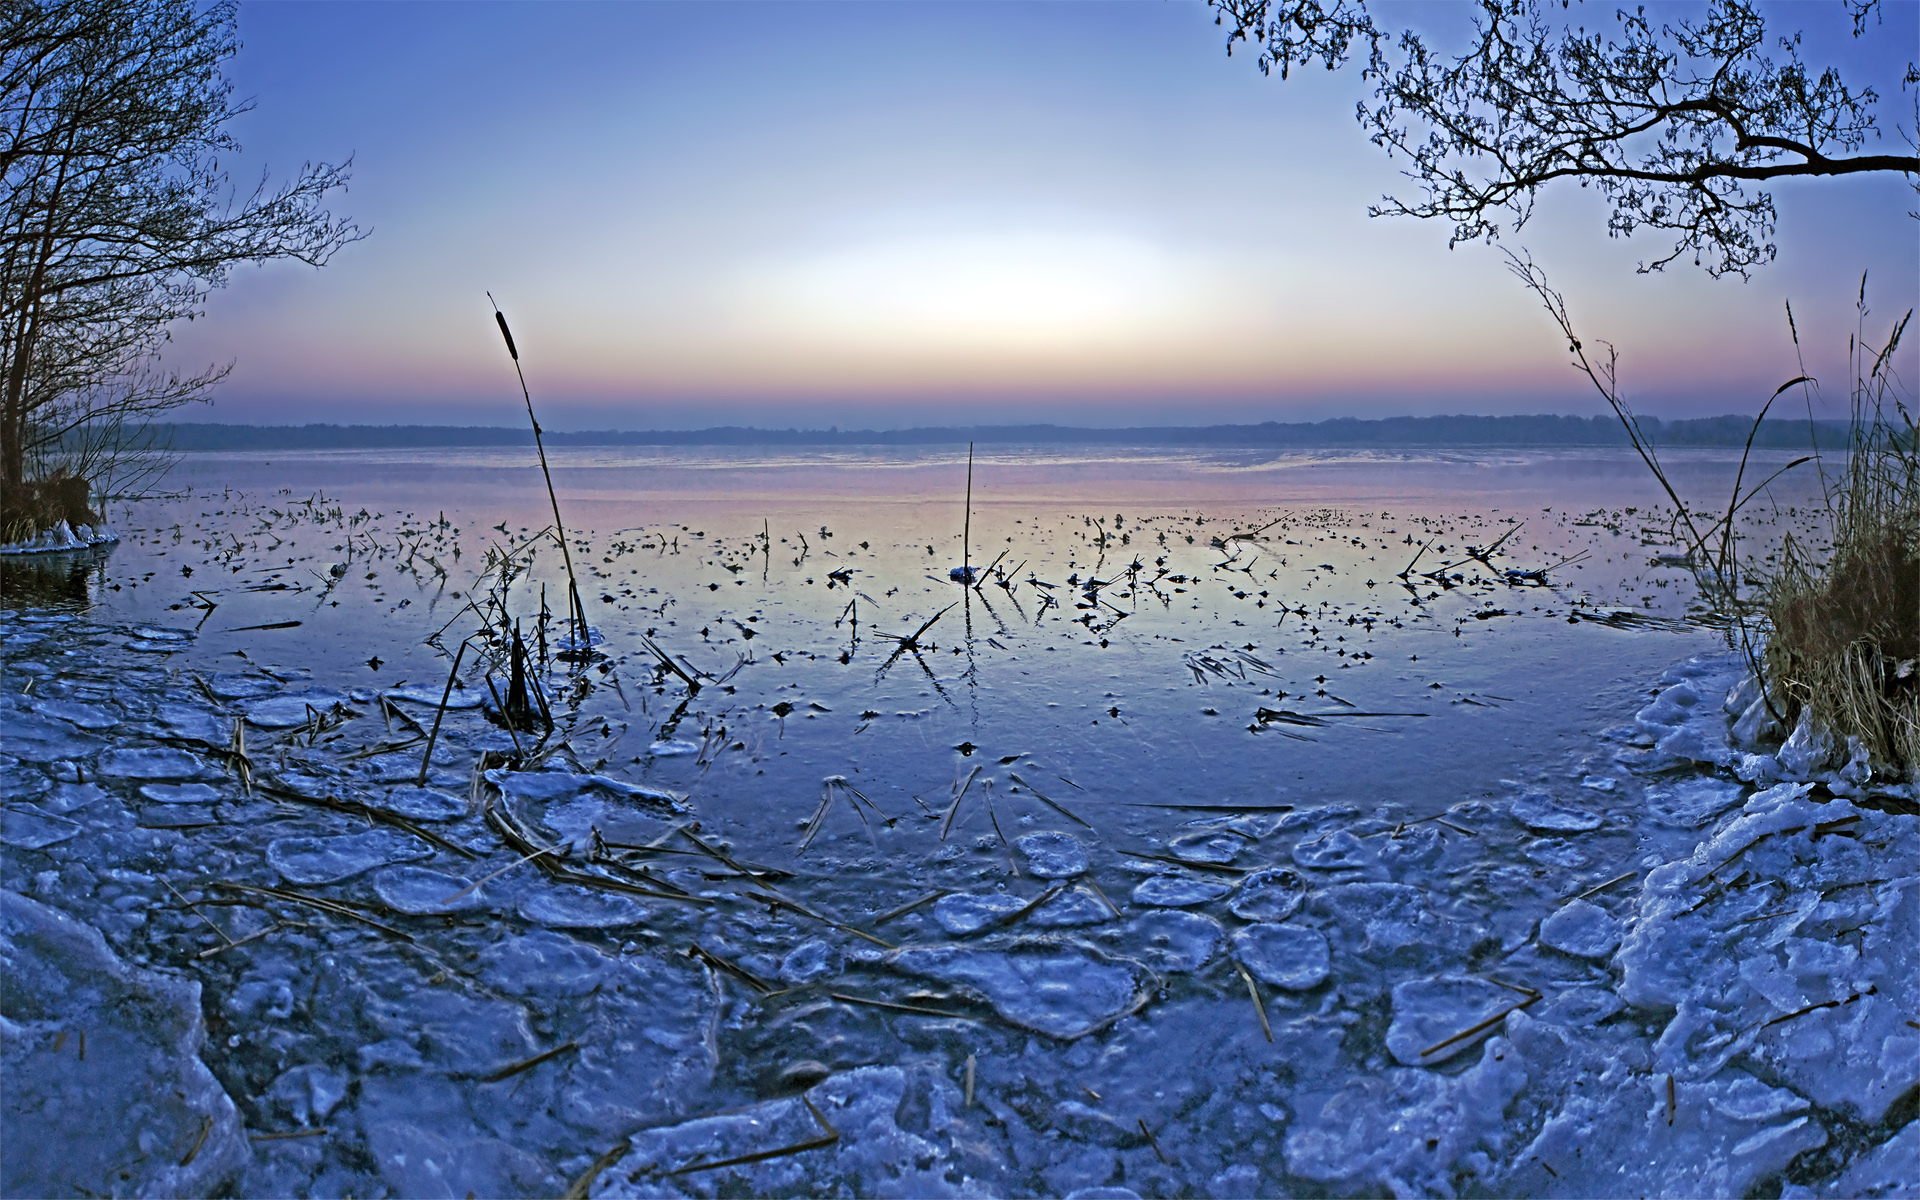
1340 432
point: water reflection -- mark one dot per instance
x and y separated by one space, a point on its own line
62 580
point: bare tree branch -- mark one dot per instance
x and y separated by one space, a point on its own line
1674 122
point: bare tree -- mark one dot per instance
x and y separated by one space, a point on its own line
116 216
1675 123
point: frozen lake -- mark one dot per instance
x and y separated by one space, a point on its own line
1227 836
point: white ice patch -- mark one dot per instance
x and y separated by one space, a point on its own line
548 786
61 536
1386 923
1718 1137
1059 988
241 686
1783 937
1072 907
1543 814
26 828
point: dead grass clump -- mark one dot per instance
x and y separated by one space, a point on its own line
37 505
1845 638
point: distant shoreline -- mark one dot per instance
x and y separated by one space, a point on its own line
1338 433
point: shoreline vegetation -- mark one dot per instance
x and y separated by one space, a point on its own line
1336 433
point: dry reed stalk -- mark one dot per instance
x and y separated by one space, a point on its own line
581 636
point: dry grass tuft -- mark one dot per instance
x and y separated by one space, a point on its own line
37 505
1845 637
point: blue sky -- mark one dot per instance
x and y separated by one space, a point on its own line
888 214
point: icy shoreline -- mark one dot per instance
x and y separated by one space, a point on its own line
62 536
1741 1021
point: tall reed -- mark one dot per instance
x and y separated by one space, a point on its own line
582 637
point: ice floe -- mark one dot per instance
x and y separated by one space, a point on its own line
1059 988
1053 855
1178 891
311 860
418 891
1270 895
1286 956
1581 929
106 1093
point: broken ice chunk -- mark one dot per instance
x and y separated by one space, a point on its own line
1072 907
542 786
1579 1008
1270 895
1171 940
242 686
1387 923
27 828
1414 1133
1212 846
964 913
1581 929
1177 891
1543 814
1062 989
86 716
288 712
1691 803
422 804
543 963
150 764
1430 1014
1333 851
1671 707
122 1119
180 793
1053 855
809 961
330 859
570 906
1286 956
419 892
420 693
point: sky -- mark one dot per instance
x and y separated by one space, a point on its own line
881 215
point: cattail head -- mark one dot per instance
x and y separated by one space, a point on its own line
507 334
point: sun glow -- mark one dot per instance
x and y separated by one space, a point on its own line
1019 292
